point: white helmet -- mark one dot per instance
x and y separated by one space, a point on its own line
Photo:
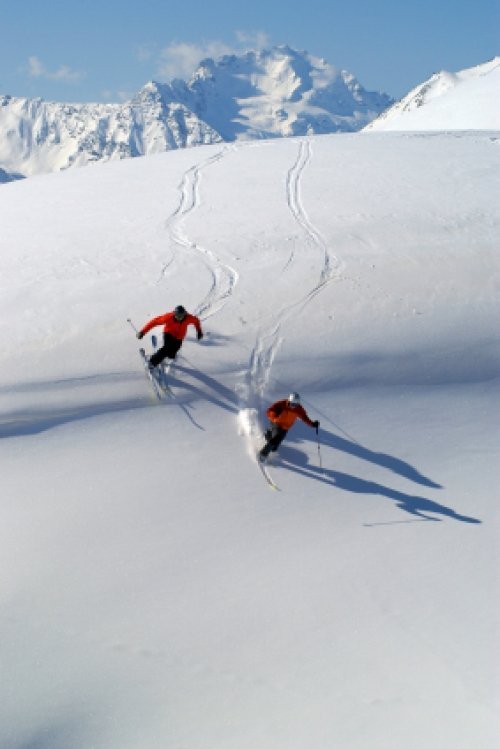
294 399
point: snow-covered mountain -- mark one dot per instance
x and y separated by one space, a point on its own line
38 136
279 92
467 100
273 93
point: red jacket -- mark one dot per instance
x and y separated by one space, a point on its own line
176 328
282 414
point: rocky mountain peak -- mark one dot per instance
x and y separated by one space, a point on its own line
277 92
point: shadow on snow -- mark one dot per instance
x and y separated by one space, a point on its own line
296 461
34 421
37 419
396 465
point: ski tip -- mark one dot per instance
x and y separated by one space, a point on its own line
267 476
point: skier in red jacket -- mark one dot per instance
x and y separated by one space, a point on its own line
283 415
175 325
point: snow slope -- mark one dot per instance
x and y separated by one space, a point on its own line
156 593
467 100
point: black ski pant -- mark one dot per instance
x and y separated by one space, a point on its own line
274 436
169 349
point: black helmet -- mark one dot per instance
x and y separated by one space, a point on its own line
294 399
180 312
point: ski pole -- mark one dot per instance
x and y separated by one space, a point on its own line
132 324
319 451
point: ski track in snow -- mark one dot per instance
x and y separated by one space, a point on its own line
270 338
331 264
224 277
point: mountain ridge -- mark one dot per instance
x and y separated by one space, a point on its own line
271 93
465 100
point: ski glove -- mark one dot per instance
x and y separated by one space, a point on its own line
139 335
199 335
316 424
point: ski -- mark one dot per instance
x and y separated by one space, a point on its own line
162 372
267 475
157 380
157 376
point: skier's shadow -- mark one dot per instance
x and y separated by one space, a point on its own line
35 419
296 462
220 396
214 339
396 465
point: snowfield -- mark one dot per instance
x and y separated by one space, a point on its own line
156 593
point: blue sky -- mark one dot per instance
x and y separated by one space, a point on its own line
105 50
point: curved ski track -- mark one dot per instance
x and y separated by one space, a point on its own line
224 277
270 339
331 264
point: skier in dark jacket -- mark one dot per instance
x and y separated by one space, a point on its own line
283 414
175 325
